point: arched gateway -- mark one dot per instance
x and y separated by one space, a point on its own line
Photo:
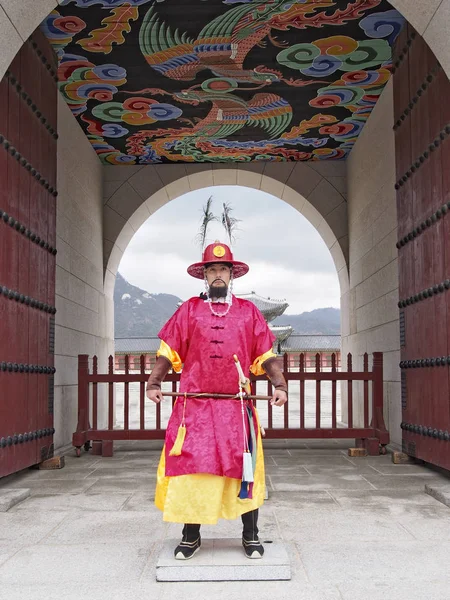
292 182
352 203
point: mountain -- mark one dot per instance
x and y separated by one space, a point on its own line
325 321
138 313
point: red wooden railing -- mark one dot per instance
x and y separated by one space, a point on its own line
371 433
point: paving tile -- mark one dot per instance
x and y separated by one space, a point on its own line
371 460
121 472
108 527
360 563
339 526
274 469
413 470
6 554
308 459
318 451
55 486
417 589
71 473
384 498
325 443
119 460
426 527
340 469
95 589
86 460
124 462
140 502
139 445
73 502
11 481
294 483
70 565
288 444
277 452
21 529
402 481
301 500
113 485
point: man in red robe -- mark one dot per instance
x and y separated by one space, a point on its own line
200 475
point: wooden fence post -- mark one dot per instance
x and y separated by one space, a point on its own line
83 400
110 394
378 402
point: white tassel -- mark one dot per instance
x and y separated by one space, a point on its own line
247 467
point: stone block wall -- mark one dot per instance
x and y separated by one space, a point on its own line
81 320
373 265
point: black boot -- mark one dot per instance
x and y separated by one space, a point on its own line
250 540
190 542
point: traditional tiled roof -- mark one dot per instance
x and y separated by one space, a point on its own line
294 342
269 307
281 331
136 345
311 343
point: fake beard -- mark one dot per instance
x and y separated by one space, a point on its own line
219 291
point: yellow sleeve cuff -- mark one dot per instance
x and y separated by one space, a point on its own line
166 351
257 368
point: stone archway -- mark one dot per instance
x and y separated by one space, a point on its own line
131 195
18 20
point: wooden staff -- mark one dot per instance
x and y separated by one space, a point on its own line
214 396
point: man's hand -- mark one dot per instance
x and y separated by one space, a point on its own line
159 371
154 395
279 398
274 373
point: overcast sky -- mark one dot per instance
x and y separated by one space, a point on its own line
287 257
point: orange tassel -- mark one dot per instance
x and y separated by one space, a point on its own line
181 434
178 445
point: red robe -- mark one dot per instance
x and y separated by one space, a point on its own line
206 344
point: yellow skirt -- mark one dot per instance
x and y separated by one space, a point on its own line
204 498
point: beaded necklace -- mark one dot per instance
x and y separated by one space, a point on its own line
228 299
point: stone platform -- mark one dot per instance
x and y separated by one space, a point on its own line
223 560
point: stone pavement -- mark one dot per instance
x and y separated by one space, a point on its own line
355 528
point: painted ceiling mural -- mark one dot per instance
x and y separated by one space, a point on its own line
163 81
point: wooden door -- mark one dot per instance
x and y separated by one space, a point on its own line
28 114
422 148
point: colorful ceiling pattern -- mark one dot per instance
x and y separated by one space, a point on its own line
164 81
